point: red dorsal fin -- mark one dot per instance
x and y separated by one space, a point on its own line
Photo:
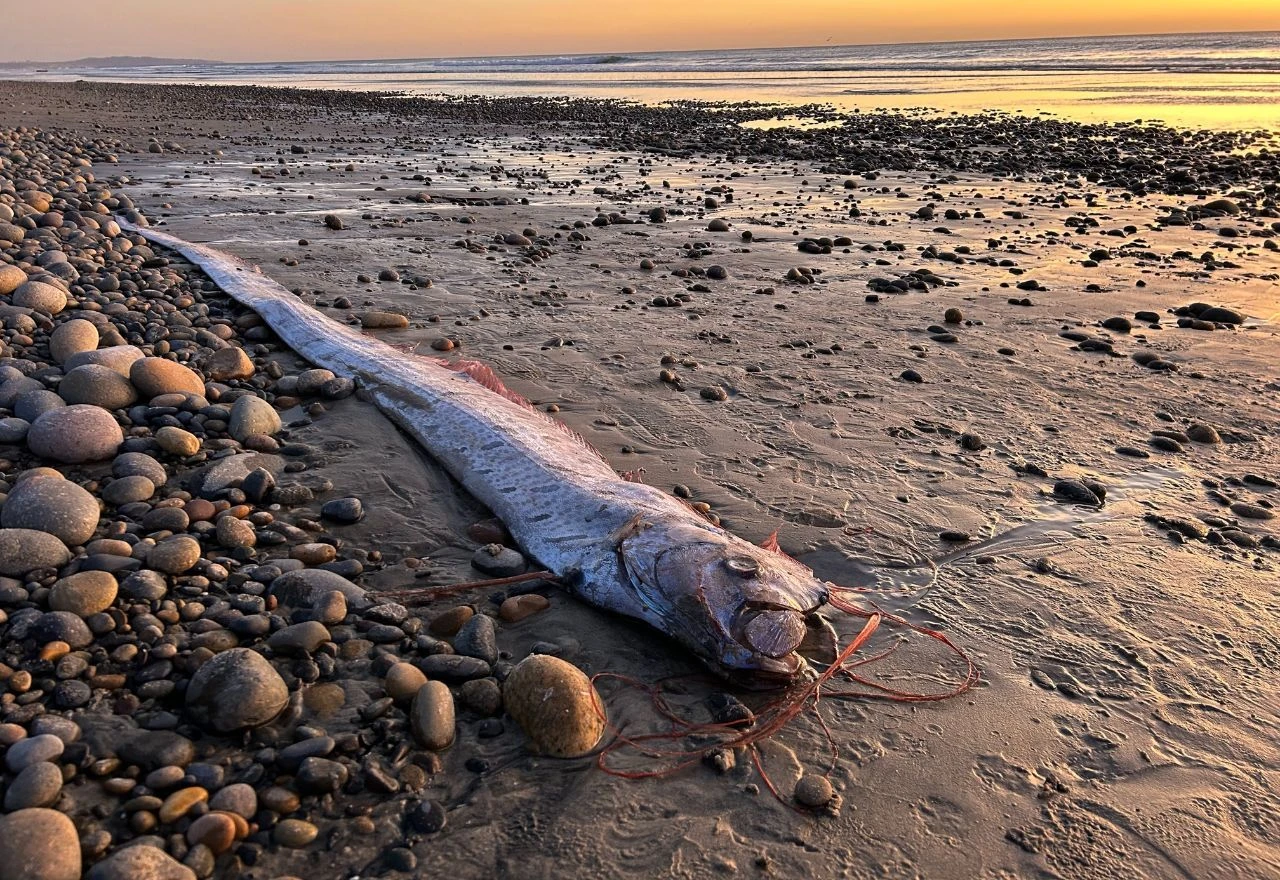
771 544
485 375
635 476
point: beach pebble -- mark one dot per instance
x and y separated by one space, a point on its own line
140 464
175 555
238 798
294 833
52 505
1252 511
314 553
36 786
39 844
498 561
84 593
555 704
140 862
428 817
33 750
310 382
229 363
40 296
453 667
450 621
216 830
11 277
478 638
814 791
232 532
128 490
73 337
482 695
252 415
375 320
236 689
153 376
403 681
343 510
16 386
24 550
432 716
334 222
318 775
299 638
1076 492
30 405
181 802
1203 434
75 434
13 431
61 627
517 608
1221 315
303 588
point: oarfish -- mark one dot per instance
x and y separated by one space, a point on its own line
618 544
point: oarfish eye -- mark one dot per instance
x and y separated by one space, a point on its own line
742 566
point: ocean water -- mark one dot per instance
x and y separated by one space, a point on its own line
1202 80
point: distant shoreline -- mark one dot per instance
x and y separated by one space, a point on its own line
142 61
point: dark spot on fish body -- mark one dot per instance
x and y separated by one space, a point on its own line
541 517
494 445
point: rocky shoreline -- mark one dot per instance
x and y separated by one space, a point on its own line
177 615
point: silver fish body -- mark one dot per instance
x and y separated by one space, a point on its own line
623 546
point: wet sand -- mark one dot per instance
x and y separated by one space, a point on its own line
1125 723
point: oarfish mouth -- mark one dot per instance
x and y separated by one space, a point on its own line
770 673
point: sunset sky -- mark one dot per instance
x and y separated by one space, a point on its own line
255 30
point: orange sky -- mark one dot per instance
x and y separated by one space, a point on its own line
236 30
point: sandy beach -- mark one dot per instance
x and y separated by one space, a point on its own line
1017 378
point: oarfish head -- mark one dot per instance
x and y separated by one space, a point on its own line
739 607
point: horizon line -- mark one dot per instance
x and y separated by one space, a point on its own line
669 51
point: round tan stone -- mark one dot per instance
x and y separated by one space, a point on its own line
556 705
39 844
11 278
179 803
97 385
314 554
294 833
432 716
176 441
153 376
84 593
516 608
215 830
73 337
75 434
40 296
174 555
229 363
403 681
